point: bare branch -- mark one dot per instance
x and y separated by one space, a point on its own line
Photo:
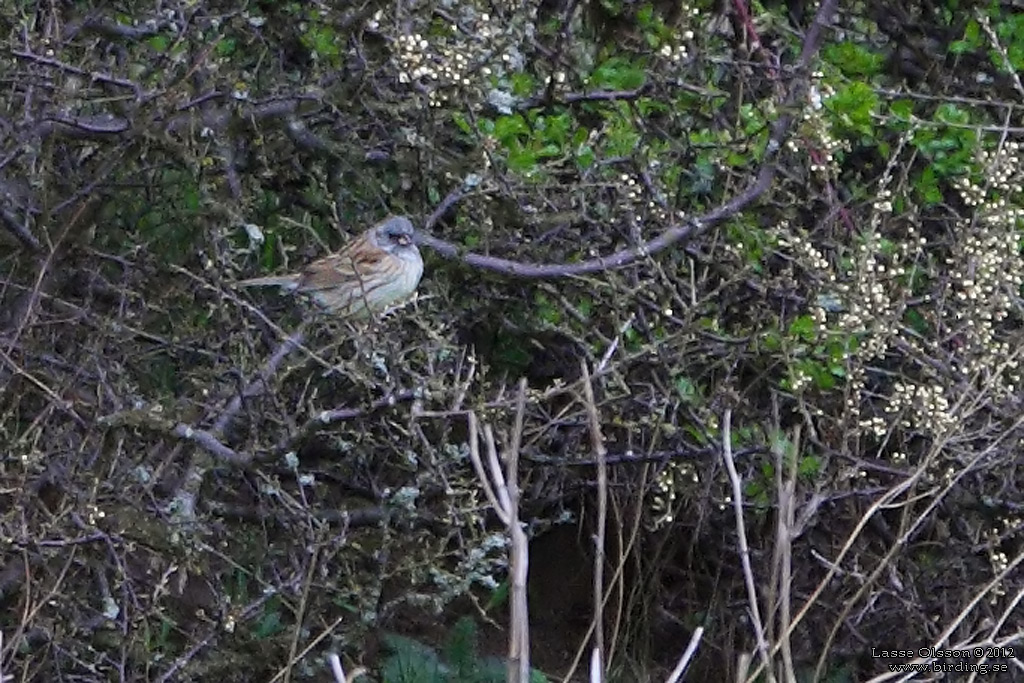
574 98
91 75
20 230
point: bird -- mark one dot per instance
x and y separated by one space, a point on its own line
379 269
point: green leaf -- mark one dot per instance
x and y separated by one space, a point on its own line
547 151
902 109
522 160
461 647
803 328
508 128
622 137
917 322
269 624
226 47
554 129
158 43
809 466
323 41
585 157
951 113
585 307
546 310
927 186
819 374
853 107
522 84
853 59
191 198
499 597
411 662
462 123
687 390
617 73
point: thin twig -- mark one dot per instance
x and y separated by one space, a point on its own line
741 535
688 653
598 448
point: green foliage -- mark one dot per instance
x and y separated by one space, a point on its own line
618 73
761 489
853 59
227 47
809 467
547 311
1011 34
688 391
803 328
158 641
522 84
753 243
853 107
621 134
269 622
927 186
656 32
322 39
823 368
413 662
971 41
463 123
530 139
950 147
758 490
499 597
512 354
159 43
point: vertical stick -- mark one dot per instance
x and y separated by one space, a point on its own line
519 644
597 445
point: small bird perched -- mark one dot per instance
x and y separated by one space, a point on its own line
380 268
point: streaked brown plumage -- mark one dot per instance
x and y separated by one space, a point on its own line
380 268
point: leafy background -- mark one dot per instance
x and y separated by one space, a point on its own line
860 322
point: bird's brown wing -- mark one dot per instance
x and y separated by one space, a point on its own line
337 269
340 282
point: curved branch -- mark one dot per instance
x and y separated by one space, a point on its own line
98 126
676 233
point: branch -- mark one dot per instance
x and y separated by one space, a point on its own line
597 447
91 75
628 458
20 230
113 29
258 385
576 97
326 417
217 119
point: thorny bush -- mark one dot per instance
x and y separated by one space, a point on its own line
188 489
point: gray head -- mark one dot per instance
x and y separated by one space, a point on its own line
395 235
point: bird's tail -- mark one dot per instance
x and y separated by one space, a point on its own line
288 282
